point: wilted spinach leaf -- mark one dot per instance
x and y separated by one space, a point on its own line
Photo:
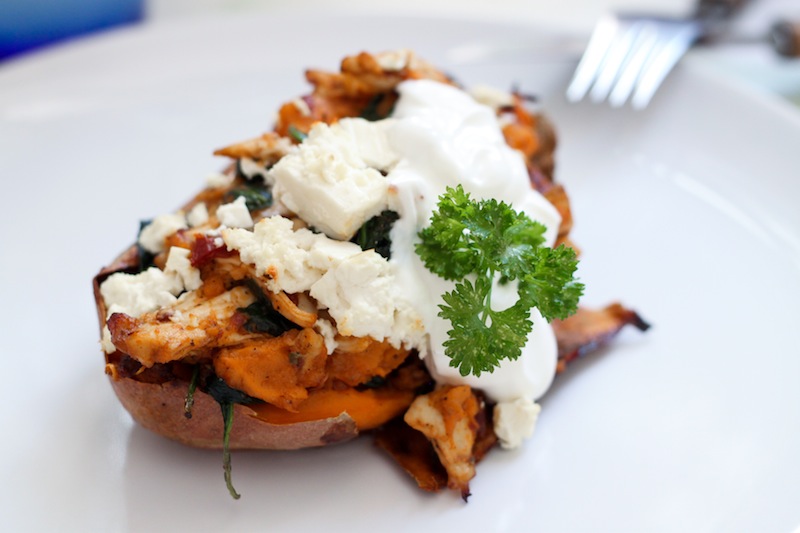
374 110
226 396
374 234
256 196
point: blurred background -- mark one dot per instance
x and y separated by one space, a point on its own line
32 26
29 24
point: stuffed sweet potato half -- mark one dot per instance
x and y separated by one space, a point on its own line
280 308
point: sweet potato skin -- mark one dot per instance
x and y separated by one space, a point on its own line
160 409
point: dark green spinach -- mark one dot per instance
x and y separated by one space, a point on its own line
256 196
374 234
226 396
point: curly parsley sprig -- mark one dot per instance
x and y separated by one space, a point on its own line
490 242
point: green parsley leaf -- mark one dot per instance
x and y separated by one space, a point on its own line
491 243
481 336
550 286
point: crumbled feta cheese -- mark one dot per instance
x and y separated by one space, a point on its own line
179 263
328 332
198 215
358 288
333 181
394 60
136 294
515 421
291 260
152 237
235 214
105 341
216 235
361 294
252 169
218 180
492 97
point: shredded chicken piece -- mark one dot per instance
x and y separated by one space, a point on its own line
267 148
190 325
366 74
232 269
447 417
364 81
283 304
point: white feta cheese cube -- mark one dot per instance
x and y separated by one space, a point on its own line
361 294
218 180
105 341
136 294
235 214
334 181
178 262
492 97
394 60
515 421
152 237
198 215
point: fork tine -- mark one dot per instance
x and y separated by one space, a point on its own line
645 42
628 57
668 52
587 69
616 60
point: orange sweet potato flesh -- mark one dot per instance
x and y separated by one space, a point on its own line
277 370
355 367
368 408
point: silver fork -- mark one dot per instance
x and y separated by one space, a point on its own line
629 56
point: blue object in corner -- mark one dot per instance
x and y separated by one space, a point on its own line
28 24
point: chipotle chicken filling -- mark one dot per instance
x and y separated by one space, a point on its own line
219 325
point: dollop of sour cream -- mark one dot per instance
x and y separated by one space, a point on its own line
443 138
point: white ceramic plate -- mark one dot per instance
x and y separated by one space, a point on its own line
686 212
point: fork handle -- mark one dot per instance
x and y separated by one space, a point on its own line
784 36
718 9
